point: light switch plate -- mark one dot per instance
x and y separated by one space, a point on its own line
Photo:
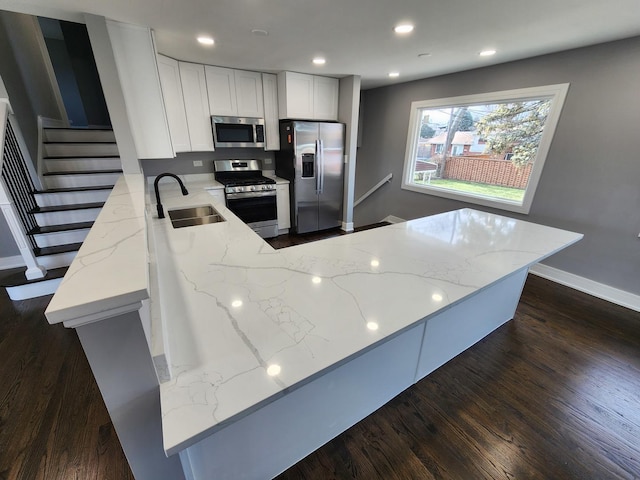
197 163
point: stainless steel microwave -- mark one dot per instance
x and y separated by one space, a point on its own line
239 132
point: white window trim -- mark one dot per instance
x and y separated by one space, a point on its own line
557 94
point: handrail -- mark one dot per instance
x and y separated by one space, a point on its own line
386 179
15 186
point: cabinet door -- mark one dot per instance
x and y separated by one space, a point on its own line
221 87
295 95
173 103
271 124
325 98
284 211
249 94
135 57
196 104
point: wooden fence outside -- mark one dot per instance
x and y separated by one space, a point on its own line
487 170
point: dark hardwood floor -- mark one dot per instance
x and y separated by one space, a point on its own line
553 394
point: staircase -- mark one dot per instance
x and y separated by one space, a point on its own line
78 170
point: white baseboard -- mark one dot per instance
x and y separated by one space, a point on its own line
347 226
7 263
33 290
393 219
599 290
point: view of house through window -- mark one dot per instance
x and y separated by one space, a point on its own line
487 149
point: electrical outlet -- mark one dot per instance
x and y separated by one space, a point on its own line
197 163
267 161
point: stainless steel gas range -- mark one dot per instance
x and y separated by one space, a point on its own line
249 195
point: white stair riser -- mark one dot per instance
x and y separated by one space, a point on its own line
81 164
57 260
79 149
60 238
71 198
33 290
59 135
89 180
67 216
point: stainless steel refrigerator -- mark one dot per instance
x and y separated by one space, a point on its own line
311 157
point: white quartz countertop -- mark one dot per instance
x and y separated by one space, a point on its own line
244 323
109 274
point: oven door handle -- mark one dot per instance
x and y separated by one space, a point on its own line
266 193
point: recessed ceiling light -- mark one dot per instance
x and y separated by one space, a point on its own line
487 53
206 40
403 28
319 61
259 32
394 74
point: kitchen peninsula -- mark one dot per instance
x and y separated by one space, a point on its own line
261 356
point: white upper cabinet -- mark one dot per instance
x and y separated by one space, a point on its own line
234 93
196 104
325 98
221 85
174 105
307 97
249 94
271 123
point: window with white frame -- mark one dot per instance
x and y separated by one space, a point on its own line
487 149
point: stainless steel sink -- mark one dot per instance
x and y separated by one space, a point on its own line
191 216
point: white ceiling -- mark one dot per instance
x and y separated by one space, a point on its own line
356 36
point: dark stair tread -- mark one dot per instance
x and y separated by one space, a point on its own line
18 279
64 227
73 189
82 172
80 157
107 129
67 247
66 142
64 208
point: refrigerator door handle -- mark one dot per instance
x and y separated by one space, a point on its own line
320 142
317 164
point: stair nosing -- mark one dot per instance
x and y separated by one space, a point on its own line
78 157
65 227
66 208
57 249
82 172
72 189
67 142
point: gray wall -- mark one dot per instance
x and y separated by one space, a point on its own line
183 163
591 179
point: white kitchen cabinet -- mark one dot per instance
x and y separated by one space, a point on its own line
271 122
249 94
134 53
234 93
196 104
174 105
325 98
307 97
217 194
282 204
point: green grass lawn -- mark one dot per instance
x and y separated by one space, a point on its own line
506 193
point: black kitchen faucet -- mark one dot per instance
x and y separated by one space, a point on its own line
155 186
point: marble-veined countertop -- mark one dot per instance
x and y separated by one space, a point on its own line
244 323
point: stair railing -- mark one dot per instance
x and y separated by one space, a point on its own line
372 190
16 187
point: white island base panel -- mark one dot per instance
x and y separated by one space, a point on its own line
269 440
